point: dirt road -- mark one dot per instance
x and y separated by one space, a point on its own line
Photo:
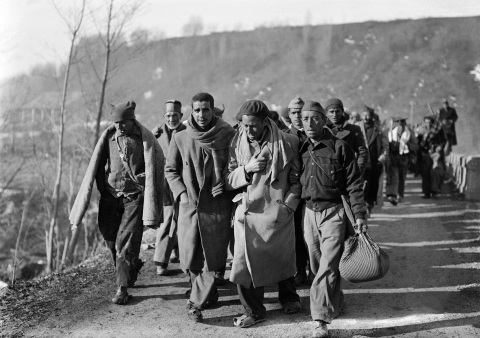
431 290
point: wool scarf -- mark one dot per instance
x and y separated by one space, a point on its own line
215 142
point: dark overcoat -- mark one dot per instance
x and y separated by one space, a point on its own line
204 222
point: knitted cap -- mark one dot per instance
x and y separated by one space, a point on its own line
122 111
296 103
333 103
255 108
173 106
313 106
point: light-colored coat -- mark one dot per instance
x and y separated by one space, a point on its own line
264 229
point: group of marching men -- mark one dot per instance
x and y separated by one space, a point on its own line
272 197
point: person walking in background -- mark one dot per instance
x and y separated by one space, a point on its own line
197 158
263 162
329 171
377 144
432 143
402 146
350 133
128 166
448 116
301 252
285 118
167 240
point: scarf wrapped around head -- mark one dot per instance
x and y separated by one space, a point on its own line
279 148
215 142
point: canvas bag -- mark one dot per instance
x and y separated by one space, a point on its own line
362 259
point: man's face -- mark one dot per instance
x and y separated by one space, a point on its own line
428 123
355 116
367 117
202 113
172 119
295 115
402 123
445 105
313 123
124 126
254 126
335 114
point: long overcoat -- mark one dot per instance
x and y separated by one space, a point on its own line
264 228
204 223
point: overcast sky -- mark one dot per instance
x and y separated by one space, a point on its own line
32 31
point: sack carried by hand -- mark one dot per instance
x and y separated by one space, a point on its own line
363 260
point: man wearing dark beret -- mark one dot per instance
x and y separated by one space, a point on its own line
350 133
166 240
262 159
329 172
197 158
128 167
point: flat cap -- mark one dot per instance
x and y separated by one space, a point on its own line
313 106
333 103
399 118
255 108
122 111
173 106
296 103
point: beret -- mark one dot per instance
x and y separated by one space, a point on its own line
173 106
284 112
332 103
313 106
255 108
122 111
296 103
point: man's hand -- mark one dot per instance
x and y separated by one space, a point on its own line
183 198
255 165
293 176
361 225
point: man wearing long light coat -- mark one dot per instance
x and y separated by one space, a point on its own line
261 160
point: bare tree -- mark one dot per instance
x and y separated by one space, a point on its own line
111 36
73 25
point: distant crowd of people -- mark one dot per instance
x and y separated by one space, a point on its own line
273 191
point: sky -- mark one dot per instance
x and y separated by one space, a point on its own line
32 31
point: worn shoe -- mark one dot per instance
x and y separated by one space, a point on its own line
300 277
321 330
174 259
392 200
291 307
399 199
121 298
161 271
220 278
245 321
426 196
195 315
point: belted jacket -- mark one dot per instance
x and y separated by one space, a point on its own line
329 170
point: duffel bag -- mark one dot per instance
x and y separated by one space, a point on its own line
363 260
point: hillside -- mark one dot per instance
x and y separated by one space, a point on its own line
383 64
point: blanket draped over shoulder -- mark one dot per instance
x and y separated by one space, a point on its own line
281 154
154 174
214 141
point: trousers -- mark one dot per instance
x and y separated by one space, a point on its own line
202 288
372 176
396 175
301 251
121 225
166 236
252 297
325 235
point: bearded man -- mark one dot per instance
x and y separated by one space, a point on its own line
197 158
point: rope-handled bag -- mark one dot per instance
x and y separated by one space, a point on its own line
362 259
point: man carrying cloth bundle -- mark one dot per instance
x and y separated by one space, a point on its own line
329 171
262 160
127 165
167 240
197 158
